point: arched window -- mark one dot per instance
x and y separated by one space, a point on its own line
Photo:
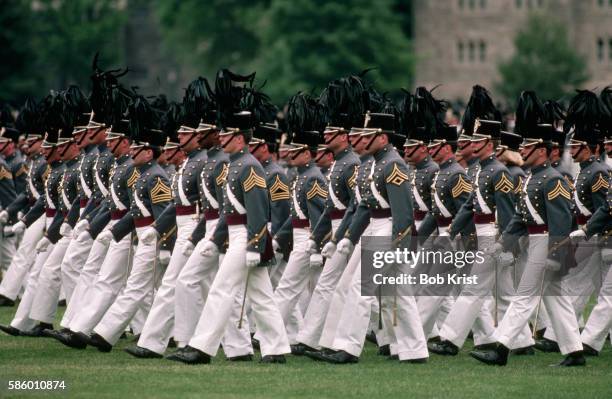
472 4
519 3
471 51
600 49
483 51
483 4
461 4
460 49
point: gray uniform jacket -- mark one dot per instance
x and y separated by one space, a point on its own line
38 170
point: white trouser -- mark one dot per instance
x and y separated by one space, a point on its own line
314 317
108 283
44 305
87 278
231 280
475 298
408 335
600 321
528 295
139 285
158 326
296 277
22 320
76 256
14 278
8 248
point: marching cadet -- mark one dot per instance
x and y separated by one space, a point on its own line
390 215
12 179
246 214
544 213
507 152
308 196
324 158
51 204
585 115
183 214
492 208
151 195
29 120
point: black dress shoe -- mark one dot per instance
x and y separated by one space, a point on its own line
546 345
526 351
50 333
61 304
38 329
255 343
10 330
485 347
371 337
572 360
143 353
415 361
4 301
270 359
340 357
393 357
241 358
189 355
434 339
73 340
172 343
299 349
589 350
498 356
444 348
100 343
384 350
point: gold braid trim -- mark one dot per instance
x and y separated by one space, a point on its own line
258 236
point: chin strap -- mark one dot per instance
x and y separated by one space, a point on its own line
535 147
486 141
579 151
371 141
297 153
228 141
438 150
416 147
66 149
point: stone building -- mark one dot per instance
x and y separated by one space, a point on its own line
461 42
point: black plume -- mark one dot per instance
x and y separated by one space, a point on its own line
28 120
141 116
228 93
407 119
554 112
6 116
76 107
259 104
171 119
480 105
53 108
529 113
428 112
305 113
198 102
586 113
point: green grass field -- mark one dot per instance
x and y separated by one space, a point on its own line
91 374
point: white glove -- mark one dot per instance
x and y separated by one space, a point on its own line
552 265
42 245
187 248
577 236
149 236
495 249
65 229
252 259
80 227
275 245
164 257
345 246
328 250
19 227
105 237
505 259
209 249
311 247
84 236
3 217
316 260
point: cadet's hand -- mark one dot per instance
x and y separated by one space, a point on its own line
328 250
311 247
19 227
84 236
105 237
209 249
188 248
149 236
80 227
164 257
316 260
552 265
495 249
577 236
42 245
345 246
65 229
3 217
252 259
505 259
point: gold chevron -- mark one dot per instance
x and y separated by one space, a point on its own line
462 186
160 192
570 183
353 179
223 175
519 185
279 190
559 190
504 184
46 173
5 174
22 170
316 190
132 180
254 180
599 184
396 177
258 236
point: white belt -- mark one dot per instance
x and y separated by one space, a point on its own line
481 202
583 209
443 210
234 201
534 214
382 202
182 196
100 184
33 189
296 205
143 209
118 204
209 197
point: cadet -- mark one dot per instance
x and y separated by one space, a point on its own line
10 185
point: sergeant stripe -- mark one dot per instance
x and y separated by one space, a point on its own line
223 175
462 186
396 176
559 190
279 190
504 184
254 180
599 184
160 192
316 190
132 180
